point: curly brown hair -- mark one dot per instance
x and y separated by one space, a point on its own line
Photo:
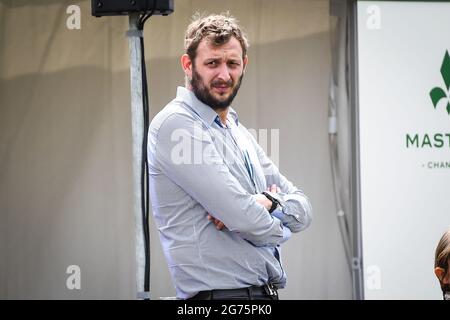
218 29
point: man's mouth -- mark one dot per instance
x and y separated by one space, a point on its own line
221 88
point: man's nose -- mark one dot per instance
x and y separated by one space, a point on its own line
224 73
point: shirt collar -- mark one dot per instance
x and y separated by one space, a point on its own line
232 115
204 111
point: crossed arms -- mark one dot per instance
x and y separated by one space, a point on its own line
212 185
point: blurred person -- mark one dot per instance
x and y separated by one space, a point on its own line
442 264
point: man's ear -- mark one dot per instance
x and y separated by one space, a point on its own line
186 64
439 272
245 62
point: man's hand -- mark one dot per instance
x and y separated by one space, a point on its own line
274 189
219 224
260 198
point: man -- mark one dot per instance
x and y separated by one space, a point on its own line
221 206
442 264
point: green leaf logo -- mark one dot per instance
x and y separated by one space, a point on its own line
437 93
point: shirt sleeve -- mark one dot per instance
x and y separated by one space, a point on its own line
286 233
205 177
296 211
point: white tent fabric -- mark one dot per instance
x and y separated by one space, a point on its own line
65 141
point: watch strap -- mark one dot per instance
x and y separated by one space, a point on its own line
275 202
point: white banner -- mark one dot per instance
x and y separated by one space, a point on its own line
404 123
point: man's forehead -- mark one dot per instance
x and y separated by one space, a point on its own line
231 48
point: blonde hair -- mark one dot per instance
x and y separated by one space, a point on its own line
218 29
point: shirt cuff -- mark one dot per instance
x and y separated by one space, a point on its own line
286 234
285 218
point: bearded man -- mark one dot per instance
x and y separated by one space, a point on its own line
221 206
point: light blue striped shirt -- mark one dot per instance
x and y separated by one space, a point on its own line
198 165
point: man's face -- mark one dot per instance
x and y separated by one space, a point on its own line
217 73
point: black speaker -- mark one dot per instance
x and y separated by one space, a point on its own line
124 7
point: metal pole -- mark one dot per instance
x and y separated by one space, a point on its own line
357 262
137 127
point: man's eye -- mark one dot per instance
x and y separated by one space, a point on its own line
212 63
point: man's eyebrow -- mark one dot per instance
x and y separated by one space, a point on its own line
220 58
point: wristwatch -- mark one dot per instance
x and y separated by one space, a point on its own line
275 202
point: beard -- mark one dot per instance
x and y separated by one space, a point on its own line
203 92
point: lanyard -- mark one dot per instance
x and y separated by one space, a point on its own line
244 153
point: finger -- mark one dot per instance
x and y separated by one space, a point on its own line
209 217
220 225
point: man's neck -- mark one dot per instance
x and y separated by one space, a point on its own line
223 113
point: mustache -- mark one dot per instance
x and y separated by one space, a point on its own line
221 83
